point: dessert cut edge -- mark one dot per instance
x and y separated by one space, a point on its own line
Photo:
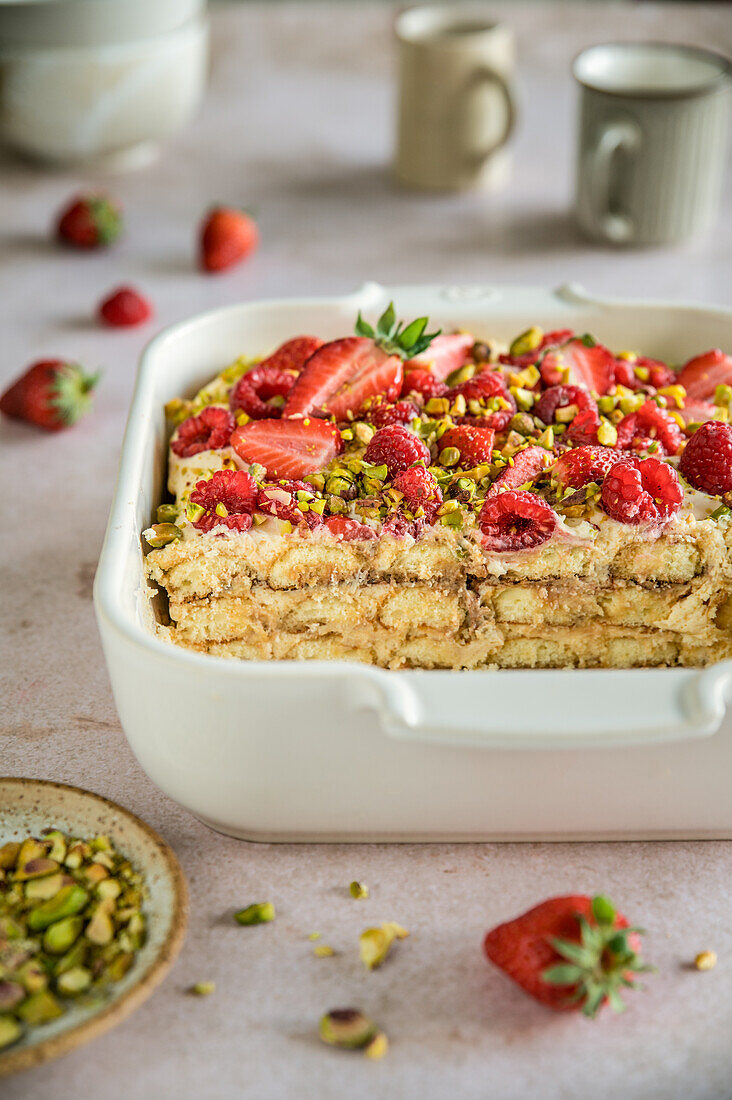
415 499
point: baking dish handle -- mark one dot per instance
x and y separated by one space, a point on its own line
528 709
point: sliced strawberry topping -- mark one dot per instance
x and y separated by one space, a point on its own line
583 464
591 367
445 354
383 413
228 497
288 448
701 375
342 375
650 424
516 521
639 490
697 412
396 448
209 431
474 444
527 465
561 397
255 390
422 382
349 530
293 354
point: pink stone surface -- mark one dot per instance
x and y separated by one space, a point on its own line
297 126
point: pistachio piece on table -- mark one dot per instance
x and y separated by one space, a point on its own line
376 943
358 890
377 1047
347 1028
260 912
203 989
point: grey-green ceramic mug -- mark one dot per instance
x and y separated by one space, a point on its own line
456 101
652 137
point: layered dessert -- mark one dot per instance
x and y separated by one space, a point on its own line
438 500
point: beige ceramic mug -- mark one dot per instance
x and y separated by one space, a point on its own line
456 104
652 138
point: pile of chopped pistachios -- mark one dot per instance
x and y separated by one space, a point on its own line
71 922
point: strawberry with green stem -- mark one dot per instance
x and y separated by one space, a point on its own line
52 394
570 953
341 376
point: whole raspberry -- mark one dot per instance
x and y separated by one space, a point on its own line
637 490
639 430
474 444
422 382
234 493
489 389
516 521
420 490
561 397
582 432
125 307
254 392
583 464
707 459
396 448
487 383
383 413
281 500
349 530
209 431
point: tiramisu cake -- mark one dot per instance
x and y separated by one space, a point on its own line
436 501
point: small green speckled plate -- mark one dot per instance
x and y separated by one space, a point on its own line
29 805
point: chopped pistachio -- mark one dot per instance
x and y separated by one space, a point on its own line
68 901
358 890
59 936
705 960
566 413
642 373
450 456
526 341
161 534
347 1028
437 406
462 374
375 943
607 434
315 935
167 513
74 981
39 1008
194 512
546 439
11 994
722 512
363 432
221 510
41 889
323 951
459 406
10 1031
606 404
377 1047
721 412
524 398
9 855
260 912
203 989
100 929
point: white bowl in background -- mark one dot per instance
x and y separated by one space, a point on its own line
99 81
319 750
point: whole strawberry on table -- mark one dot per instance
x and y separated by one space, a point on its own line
52 394
572 953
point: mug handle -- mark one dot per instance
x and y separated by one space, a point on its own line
616 135
487 75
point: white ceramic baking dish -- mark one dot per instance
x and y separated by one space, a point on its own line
341 751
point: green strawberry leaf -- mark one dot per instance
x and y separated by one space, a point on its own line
363 328
603 910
